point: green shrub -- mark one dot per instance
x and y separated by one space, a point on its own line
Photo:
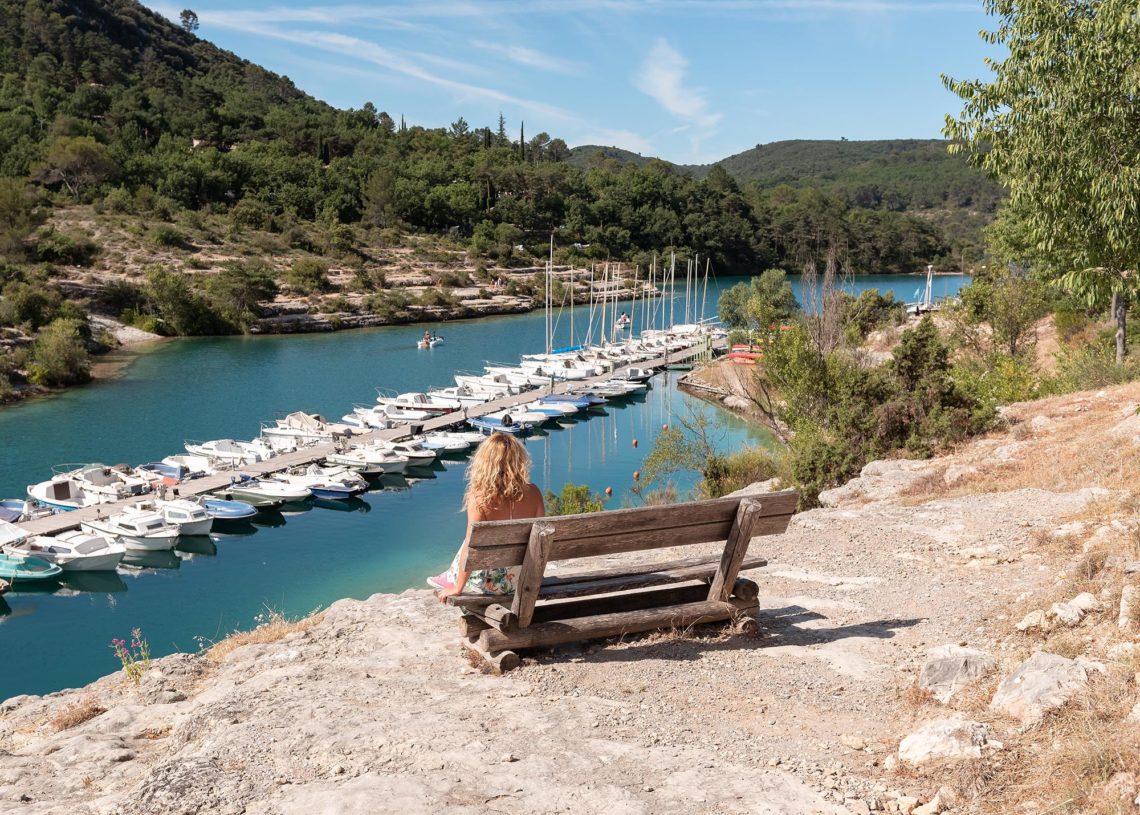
307 275
249 212
166 235
390 305
236 292
59 355
119 295
998 379
56 247
573 500
1092 366
22 303
725 473
434 298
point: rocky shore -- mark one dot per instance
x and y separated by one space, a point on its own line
896 673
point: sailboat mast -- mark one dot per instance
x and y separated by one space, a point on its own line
705 295
672 286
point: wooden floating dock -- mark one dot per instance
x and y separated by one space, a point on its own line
64 521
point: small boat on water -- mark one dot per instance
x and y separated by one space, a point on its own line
489 424
189 516
17 510
221 510
72 551
636 374
368 460
262 492
416 454
232 451
82 485
459 396
136 529
583 401
416 401
305 429
430 340
192 466
326 482
18 567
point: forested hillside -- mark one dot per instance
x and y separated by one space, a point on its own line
150 175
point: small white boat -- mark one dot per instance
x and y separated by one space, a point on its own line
430 341
305 428
326 482
232 451
368 460
189 516
414 401
404 414
416 454
262 492
72 551
195 466
461 395
17 510
494 384
73 486
519 415
137 530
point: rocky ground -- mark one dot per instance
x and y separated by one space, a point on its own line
892 675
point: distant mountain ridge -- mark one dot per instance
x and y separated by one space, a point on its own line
895 174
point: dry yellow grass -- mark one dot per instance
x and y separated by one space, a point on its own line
77 713
275 628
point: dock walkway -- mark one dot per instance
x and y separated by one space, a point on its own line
318 452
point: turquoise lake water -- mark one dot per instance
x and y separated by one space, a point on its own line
309 556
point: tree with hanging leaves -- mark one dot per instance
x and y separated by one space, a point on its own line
1059 125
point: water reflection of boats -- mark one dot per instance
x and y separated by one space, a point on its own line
139 561
268 518
392 481
194 545
234 529
291 508
97 582
353 504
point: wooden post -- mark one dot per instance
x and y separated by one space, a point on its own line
530 574
735 548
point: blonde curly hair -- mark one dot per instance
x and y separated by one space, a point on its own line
498 474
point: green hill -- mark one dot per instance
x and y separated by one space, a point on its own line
897 174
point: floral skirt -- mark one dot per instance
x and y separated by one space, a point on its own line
486 581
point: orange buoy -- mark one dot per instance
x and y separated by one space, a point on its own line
609 491
635 442
637 475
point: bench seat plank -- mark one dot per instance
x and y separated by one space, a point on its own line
504 543
611 580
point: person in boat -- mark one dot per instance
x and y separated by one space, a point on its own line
508 420
427 337
498 489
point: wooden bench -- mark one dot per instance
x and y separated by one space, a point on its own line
547 611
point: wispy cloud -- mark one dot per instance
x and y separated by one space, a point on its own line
531 58
387 59
662 77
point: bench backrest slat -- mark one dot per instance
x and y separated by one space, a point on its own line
503 543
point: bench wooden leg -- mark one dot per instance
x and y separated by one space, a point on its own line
735 548
498 661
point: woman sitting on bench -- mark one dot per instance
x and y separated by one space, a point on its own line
498 489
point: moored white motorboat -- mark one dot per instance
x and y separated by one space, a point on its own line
232 451
194 466
305 428
326 482
188 515
414 401
489 424
368 460
137 530
72 551
262 492
463 395
416 453
17 510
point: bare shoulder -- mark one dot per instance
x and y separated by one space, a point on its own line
534 498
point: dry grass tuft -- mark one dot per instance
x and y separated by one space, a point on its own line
915 699
155 733
1066 763
276 627
77 713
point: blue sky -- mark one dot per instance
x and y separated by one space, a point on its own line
691 81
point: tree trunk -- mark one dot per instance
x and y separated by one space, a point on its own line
1120 309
